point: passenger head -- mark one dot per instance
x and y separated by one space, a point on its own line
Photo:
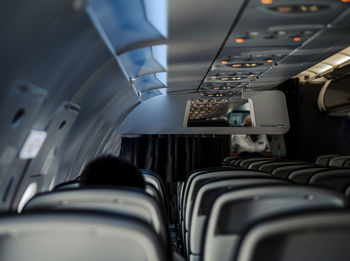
111 171
247 121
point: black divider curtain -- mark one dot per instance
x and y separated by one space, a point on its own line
173 156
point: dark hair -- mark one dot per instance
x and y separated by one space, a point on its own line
111 170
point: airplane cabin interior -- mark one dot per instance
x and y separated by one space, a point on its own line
235 114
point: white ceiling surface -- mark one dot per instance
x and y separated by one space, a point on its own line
315 73
165 115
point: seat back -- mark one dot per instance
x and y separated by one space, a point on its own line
285 171
255 165
303 176
204 201
195 173
154 182
246 162
339 161
338 179
131 201
320 236
233 212
324 159
209 177
70 236
270 166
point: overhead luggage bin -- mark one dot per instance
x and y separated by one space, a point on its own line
127 25
79 235
146 60
151 82
326 235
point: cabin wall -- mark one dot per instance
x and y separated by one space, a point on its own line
58 76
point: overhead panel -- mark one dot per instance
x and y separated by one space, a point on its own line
135 32
332 37
197 30
128 25
268 33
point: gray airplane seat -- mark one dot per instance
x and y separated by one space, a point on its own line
130 201
338 179
196 173
202 175
153 188
196 182
303 176
67 185
321 236
245 163
153 180
270 166
233 212
228 159
203 203
340 161
79 235
285 171
256 164
325 159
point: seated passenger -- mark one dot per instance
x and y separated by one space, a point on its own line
111 170
250 145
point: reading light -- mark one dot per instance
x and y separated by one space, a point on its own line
266 2
304 8
239 40
297 39
284 9
313 8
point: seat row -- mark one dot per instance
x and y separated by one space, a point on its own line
92 223
300 172
231 212
335 160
